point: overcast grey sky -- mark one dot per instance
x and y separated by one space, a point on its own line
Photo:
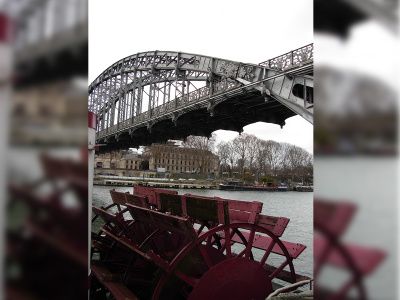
251 31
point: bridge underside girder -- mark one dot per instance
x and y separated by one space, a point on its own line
231 114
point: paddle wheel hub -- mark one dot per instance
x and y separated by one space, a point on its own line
236 278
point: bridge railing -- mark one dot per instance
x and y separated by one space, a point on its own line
164 109
291 59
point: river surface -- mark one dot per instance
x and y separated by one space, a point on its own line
293 205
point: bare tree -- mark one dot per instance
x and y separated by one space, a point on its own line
223 149
154 154
203 156
277 159
251 143
307 168
260 155
200 142
231 155
240 148
273 156
296 159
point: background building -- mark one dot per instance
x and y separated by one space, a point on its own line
123 163
177 159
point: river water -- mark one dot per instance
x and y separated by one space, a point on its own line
371 183
293 205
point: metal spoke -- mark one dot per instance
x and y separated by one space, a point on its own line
250 243
276 272
231 234
205 256
209 239
201 228
245 244
228 244
267 252
189 280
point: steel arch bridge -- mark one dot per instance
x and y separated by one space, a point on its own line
159 95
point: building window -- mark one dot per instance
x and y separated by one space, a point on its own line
99 164
113 166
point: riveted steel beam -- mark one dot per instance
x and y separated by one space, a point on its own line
149 87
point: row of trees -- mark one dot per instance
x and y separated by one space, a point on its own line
246 154
249 154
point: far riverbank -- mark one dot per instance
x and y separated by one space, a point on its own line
155 183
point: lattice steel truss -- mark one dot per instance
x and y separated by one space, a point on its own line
142 89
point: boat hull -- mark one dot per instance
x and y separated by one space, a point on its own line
305 189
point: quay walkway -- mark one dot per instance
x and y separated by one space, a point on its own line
155 184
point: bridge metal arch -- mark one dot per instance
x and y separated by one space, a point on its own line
155 67
142 89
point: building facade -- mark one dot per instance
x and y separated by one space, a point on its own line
176 159
118 162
